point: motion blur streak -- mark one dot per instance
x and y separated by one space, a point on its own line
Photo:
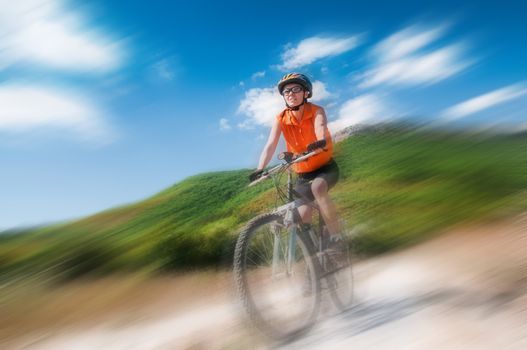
128 275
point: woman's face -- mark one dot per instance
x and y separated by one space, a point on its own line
294 98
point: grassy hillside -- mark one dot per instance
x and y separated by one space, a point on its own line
398 184
408 184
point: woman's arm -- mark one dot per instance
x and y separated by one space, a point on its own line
270 147
321 130
321 124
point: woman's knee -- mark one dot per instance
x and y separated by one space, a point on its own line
319 187
305 213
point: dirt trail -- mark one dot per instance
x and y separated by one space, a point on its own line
463 290
466 289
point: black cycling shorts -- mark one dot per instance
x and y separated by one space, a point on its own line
329 172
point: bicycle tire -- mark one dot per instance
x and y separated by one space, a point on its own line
341 283
275 299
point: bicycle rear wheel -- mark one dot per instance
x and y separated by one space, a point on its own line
276 277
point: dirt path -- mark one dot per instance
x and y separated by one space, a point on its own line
463 290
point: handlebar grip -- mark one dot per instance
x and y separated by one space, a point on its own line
255 175
287 156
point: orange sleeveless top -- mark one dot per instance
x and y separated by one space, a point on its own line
298 135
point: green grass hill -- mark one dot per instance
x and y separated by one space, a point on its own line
399 185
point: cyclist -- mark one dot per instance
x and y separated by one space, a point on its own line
304 126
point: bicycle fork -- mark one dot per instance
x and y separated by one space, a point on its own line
291 251
292 233
291 216
276 250
290 254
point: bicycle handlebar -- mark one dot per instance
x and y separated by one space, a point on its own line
300 158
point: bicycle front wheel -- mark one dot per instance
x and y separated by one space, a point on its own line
276 277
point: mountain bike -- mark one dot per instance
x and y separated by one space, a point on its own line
280 264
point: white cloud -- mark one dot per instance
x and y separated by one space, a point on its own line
261 105
407 41
224 124
421 69
315 48
485 101
31 108
319 92
164 69
257 75
45 33
364 109
245 125
402 59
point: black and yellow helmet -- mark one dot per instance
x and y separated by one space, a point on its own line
297 78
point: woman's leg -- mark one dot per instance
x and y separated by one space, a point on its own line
305 213
319 187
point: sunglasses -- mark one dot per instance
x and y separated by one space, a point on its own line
294 89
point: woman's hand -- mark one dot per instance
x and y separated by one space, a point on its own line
316 145
255 175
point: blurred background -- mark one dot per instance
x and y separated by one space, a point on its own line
128 130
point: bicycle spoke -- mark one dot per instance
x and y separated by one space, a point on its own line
272 287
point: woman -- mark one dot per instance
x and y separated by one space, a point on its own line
304 126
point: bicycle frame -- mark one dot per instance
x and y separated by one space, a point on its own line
292 217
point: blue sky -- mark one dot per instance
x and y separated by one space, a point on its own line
105 103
